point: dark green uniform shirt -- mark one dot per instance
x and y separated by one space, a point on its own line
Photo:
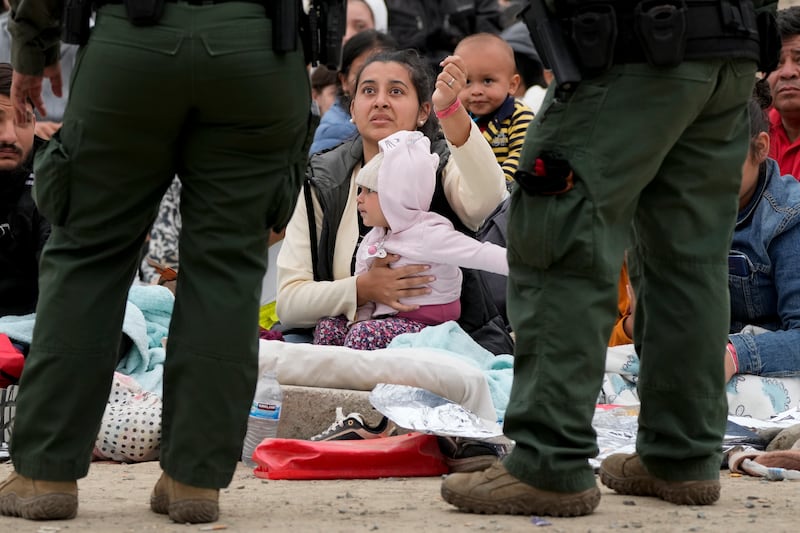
35 28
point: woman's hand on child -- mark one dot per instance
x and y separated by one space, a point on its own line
382 284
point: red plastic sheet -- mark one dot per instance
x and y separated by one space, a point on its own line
11 363
411 455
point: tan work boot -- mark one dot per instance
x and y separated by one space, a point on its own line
38 500
495 491
625 473
184 503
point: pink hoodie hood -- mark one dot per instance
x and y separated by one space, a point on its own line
405 179
404 174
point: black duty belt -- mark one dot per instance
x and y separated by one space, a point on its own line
149 12
265 3
708 34
713 28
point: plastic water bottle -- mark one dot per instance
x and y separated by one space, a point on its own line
265 413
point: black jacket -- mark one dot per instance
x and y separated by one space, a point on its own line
434 27
23 233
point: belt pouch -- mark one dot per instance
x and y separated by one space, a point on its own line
594 32
662 30
144 12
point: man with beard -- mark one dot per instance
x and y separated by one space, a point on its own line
23 231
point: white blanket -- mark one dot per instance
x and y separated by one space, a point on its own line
337 367
748 395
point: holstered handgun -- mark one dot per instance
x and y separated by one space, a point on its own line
554 49
75 21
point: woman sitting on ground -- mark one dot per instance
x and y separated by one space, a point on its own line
391 94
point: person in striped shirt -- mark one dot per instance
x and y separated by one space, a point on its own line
488 95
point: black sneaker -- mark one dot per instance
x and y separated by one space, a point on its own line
353 427
464 454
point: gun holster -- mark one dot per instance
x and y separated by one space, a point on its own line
661 26
144 12
551 41
594 33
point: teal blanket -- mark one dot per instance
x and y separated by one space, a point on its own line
450 338
147 315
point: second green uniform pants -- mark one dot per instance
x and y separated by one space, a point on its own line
203 96
661 149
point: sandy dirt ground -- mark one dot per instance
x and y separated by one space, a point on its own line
114 498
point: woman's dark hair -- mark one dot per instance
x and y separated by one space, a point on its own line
757 109
421 76
359 43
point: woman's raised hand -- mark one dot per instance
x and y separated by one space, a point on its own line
449 82
452 116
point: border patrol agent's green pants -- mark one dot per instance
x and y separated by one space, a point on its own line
662 148
201 95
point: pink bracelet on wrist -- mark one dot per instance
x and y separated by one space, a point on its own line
734 357
447 111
